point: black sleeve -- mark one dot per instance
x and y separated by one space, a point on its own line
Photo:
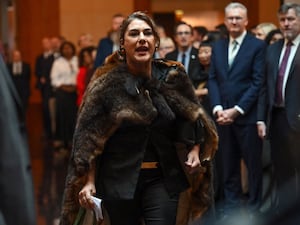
190 133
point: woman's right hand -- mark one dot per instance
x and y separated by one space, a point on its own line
85 194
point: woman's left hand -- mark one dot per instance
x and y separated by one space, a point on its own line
193 160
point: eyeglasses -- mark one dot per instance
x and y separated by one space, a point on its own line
232 18
183 33
166 48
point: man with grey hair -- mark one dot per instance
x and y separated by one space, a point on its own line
279 105
235 78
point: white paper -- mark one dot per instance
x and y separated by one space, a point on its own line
97 208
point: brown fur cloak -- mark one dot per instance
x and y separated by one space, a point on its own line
113 96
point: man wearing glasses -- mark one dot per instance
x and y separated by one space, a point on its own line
235 79
186 53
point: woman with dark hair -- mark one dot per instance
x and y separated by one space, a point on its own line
134 112
86 70
63 79
273 36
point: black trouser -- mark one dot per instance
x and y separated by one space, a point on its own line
285 144
151 203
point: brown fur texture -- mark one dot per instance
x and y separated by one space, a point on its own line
114 96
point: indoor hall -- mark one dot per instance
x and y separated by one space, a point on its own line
24 23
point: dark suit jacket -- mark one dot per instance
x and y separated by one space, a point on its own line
22 82
43 69
195 70
240 84
292 89
16 189
104 49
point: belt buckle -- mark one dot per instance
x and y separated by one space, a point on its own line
149 165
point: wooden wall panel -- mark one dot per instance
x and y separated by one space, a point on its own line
143 5
34 20
268 11
92 16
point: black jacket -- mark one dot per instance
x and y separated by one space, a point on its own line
120 117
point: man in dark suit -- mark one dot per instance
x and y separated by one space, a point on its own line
109 44
20 73
279 105
186 53
43 67
235 78
16 188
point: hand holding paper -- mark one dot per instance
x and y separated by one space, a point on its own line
97 208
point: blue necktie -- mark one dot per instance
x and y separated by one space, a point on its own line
183 59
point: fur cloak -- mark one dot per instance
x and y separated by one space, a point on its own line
114 96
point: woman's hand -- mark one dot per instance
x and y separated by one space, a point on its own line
193 160
88 190
85 194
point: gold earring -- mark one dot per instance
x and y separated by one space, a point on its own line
121 53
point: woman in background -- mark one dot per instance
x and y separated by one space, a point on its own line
86 70
63 79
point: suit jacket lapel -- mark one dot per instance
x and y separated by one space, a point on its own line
244 45
224 51
193 59
296 59
276 54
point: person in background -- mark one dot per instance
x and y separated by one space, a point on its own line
56 42
20 73
222 29
86 70
186 53
17 206
273 36
279 107
166 45
163 38
124 143
63 78
43 65
198 33
213 36
109 44
263 29
204 55
85 40
235 79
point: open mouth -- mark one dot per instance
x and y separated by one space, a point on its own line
142 49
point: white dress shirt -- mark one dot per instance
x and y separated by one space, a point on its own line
64 72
